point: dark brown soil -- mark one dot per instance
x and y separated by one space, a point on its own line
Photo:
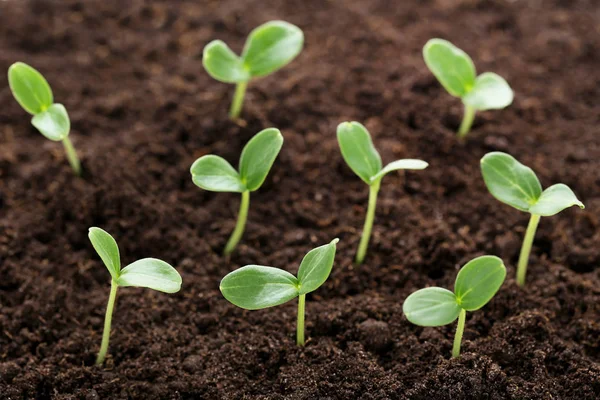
143 110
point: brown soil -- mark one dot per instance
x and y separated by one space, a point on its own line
143 110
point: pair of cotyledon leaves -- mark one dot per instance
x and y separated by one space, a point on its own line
518 186
456 72
147 272
268 48
476 283
254 287
33 93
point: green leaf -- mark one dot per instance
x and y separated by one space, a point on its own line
271 46
491 92
358 150
555 199
510 181
258 157
400 164
30 88
151 273
450 65
432 306
214 173
316 267
53 123
106 247
478 281
223 64
254 287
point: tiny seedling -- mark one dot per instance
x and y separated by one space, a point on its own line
517 185
33 93
147 272
214 173
269 47
456 72
476 283
255 287
362 157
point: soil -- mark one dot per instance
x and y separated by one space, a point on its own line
143 109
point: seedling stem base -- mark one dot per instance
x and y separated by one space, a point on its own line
240 225
300 324
467 122
526 249
107 321
238 100
72 156
460 328
366 235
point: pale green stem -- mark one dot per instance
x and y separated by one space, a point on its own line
467 121
72 156
366 234
460 328
238 100
526 249
240 225
300 324
107 321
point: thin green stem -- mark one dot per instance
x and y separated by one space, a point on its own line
107 321
72 156
526 249
366 234
460 329
465 125
300 324
240 225
238 100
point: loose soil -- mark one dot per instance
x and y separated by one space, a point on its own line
143 109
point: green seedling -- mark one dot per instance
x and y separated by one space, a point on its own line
456 72
476 283
362 157
255 287
33 93
147 272
269 47
517 185
214 173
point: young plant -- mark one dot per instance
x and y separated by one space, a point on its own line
33 93
476 283
456 72
214 173
362 157
269 47
517 185
147 272
255 287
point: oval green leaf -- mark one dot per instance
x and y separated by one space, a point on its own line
316 267
108 250
358 150
491 92
478 281
432 306
271 46
254 287
53 123
400 164
450 65
151 273
30 88
509 181
258 157
555 199
214 173
223 64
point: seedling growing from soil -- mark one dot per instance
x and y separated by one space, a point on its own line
33 93
362 157
269 47
214 173
456 72
147 272
255 287
476 283
517 185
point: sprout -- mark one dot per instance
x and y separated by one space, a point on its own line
456 72
362 157
33 93
214 173
517 185
476 283
255 287
269 47
147 272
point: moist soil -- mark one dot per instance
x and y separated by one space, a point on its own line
143 109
